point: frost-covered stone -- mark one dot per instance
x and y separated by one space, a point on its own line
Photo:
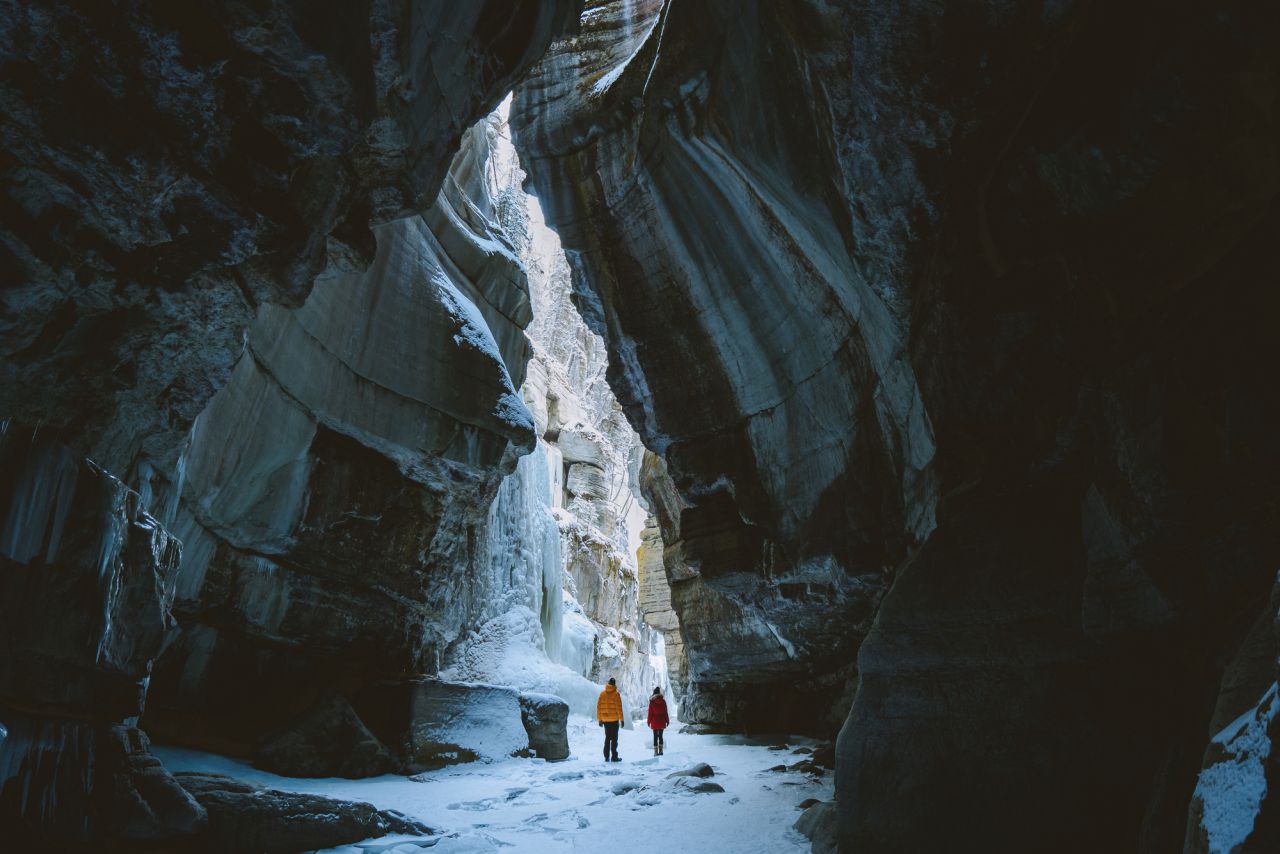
430 723
1225 815
701 769
545 717
576 447
587 482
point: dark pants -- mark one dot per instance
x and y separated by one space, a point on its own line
611 739
657 738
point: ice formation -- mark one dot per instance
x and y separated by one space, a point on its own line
564 530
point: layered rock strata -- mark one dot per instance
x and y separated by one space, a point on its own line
967 306
334 487
169 169
750 348
173 176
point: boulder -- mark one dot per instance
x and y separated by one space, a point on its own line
329 740
825 755
244 817
545 718
48 799
430 723
701 769
690 784
818 825
145 799
576 447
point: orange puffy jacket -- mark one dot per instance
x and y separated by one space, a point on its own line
609 706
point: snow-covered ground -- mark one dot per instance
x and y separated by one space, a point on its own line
582 803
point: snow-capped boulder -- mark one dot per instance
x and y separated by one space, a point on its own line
700 769
577 447
429 723
545 718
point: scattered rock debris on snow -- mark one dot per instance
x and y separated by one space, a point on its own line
539 807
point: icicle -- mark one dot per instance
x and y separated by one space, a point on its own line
41 500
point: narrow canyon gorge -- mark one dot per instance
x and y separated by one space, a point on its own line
885 382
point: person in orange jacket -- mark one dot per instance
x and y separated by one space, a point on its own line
658 719
609 714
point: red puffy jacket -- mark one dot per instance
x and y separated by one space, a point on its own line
658 713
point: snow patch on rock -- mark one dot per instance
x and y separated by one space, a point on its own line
1231 791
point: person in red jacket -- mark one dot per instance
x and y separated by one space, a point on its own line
658 719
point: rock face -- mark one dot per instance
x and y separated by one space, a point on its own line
169 170
772 374
916 308
244 817
173 177
86 581
329 740
560 590
655 591
333 487
598 506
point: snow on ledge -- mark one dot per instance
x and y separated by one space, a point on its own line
1231 791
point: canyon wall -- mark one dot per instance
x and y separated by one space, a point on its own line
950 325
169 169
705 217
562 585
335 487
946 326
244 280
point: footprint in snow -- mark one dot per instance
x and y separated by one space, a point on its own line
472 806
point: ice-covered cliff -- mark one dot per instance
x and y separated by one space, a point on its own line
563 533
